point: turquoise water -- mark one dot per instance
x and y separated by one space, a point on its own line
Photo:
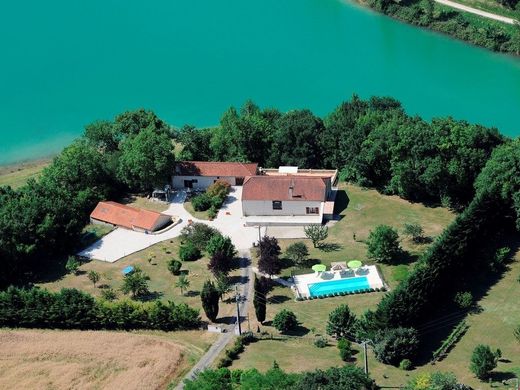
64 64
338 286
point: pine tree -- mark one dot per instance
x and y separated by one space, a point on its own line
259 300
209 297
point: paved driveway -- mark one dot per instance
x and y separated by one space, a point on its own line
123 242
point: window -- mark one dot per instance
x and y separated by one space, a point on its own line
194 181
277 204
312 210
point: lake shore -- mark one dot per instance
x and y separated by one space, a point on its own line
16 175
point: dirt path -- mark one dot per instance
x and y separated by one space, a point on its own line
476 11
244 289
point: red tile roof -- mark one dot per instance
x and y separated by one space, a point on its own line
279 188
213 168
125 216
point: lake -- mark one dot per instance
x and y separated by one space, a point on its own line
65 64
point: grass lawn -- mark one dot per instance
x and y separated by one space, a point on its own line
153 261
197 214
17 175
144 203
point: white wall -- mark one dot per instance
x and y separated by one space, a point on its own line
203 182
289 207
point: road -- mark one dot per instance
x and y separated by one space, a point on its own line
476 11
245 288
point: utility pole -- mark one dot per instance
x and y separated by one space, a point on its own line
259 234
366 356
238 310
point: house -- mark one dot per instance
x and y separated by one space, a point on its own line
201 174
287 199
117 214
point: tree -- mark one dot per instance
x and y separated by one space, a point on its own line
394 345
316 233
415 231
483 361
210 297
72 265
146 160
174 266
94 277
221 244
198 234
383 244
108 294
269 262
464 300
259 300
223 285
342 322
219 264
189 252
182 283
298 253
136 283
435 380
285 320
210 379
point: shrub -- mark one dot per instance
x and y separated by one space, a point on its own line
320 342
500 259
201 202
72 265
394 345
224 362
345 349
136 283
218 189
414 231
285 320
189 252
212 212
483 361
298 253
405 365
210 298
174 266
108 294
464 300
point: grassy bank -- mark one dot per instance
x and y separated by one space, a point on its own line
16 175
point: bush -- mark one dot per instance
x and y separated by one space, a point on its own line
189 252
72 265
464 300
224 362
201 202
108 294
298 253
405 365
345 349
394 345
212 212
219 189
174 266
320 342
500 259
285 321
198 234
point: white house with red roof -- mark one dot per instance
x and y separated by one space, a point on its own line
201 174
289 199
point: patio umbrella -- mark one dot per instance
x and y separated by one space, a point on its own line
354 264
319 267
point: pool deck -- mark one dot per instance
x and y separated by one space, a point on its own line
369 271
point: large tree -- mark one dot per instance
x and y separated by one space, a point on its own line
341 323
146 160
383 244
269 262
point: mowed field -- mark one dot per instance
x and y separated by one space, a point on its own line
48 359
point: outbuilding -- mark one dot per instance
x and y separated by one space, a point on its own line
201 174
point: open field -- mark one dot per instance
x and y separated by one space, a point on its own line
96 360
18 174
153 261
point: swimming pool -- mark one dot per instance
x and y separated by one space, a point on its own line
337 286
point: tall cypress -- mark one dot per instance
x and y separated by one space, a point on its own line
259 300
209 297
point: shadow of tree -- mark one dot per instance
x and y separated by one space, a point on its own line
298 331
151 296
329 247
275 299
192 293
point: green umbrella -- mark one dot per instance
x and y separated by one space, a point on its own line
319 267
354 264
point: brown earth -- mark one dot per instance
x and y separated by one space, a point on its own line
36 359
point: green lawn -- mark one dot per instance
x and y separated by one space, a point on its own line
196 214
153 261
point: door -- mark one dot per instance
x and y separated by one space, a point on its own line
188 184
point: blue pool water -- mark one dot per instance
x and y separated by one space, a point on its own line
336 286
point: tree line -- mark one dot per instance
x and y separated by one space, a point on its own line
74 309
